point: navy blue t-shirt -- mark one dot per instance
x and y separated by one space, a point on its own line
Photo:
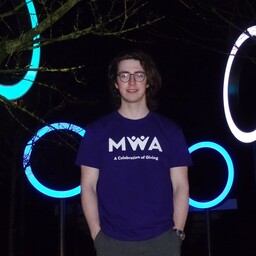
134 158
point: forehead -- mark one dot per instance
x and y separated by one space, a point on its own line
130 65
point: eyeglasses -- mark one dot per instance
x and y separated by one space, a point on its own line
126 76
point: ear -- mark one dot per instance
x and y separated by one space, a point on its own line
147 86
116 85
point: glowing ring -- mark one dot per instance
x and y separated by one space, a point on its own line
15 91
27 154
246 137
230 179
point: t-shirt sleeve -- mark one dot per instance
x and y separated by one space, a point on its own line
89 149
180 155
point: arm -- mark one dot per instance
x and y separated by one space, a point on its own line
89 179
179 179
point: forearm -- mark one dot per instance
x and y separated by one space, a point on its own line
89 180
180 184
90 209
181 205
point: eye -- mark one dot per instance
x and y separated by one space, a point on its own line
140 75
124 75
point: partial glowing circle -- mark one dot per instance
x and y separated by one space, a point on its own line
15 91
27 154
224 193
245 137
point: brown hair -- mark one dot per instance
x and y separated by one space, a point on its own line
152 75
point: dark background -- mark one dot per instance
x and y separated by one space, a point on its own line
190 47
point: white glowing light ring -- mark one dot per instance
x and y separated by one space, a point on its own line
245 137
15 91
224 193
27 154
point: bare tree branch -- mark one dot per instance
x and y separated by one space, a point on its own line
108 25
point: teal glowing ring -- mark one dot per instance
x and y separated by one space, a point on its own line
15 91
246 137
27 154
224 193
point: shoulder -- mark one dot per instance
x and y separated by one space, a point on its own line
102 122
97 129
165 122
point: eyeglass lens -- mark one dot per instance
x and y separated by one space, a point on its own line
138 76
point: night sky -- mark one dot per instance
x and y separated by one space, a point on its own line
190 46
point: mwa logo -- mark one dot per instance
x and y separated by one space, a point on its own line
135 143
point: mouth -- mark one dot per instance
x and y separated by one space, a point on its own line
132 90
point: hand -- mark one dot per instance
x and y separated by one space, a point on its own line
95 233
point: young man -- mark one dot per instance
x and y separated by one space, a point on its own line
134 168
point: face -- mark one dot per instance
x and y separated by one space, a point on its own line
131 91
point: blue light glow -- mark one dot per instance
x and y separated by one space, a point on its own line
15 91
224 193
27 154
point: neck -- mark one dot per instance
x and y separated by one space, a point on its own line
133 112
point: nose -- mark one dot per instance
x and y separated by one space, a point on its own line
132 79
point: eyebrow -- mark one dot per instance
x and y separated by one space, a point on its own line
139 71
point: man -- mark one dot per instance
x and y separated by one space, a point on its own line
134 168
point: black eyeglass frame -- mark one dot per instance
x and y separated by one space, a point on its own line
135 75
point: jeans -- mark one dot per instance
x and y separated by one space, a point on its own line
167 244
